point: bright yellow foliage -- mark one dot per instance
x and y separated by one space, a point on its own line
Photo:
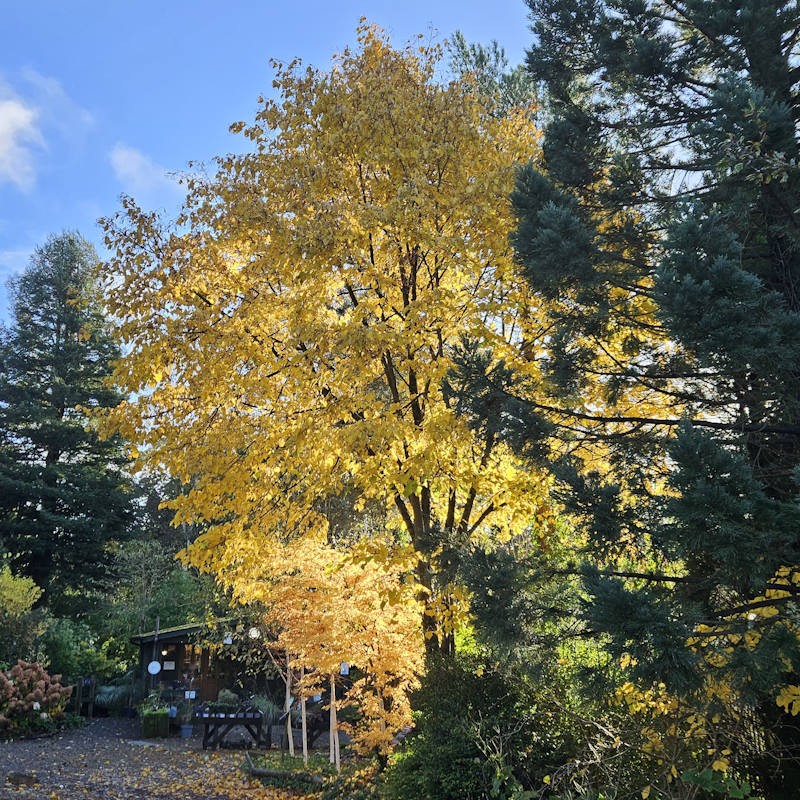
17 593
675 733
681 731
288 340
789 699
718 643
335 607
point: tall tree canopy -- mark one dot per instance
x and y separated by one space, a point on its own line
63 491
289 336
663 222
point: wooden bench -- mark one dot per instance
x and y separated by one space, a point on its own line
217 726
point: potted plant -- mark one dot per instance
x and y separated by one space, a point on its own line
227 702
185 715
154 714
270 712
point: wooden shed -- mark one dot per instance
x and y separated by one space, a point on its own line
186 663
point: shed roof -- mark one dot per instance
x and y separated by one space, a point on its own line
179 633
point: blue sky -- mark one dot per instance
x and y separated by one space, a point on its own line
101 97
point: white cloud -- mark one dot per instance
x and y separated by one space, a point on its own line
148 182
58 111
20 137
34 112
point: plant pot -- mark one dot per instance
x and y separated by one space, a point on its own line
155 726
186 730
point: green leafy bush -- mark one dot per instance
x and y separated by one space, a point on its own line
358 780
154 714
71 648
119 695
481 732
155 723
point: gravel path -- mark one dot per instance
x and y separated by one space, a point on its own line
108 761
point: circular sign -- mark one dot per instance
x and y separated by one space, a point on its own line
154 667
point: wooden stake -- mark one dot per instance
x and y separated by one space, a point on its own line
332 725
288 705
303 717
334 749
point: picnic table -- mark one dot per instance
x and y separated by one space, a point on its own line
218 725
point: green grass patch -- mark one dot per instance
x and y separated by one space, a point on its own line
318 764
358 780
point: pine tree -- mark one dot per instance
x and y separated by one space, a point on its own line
63 490
662 222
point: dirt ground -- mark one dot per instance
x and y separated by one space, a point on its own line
108 761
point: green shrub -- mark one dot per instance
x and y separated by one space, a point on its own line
115 697
21 624
155 723
358 780
481 732
292 773
154 715
72 649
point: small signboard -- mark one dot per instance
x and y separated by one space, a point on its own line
189 694
154 667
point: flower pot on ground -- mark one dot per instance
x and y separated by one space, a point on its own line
155 717
185 716
155 723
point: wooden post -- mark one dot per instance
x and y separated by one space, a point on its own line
336 740
92 693
155 653
331 746
303 717
334 728
78 695
288 705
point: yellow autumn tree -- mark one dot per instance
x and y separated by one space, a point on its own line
332 607
289 335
